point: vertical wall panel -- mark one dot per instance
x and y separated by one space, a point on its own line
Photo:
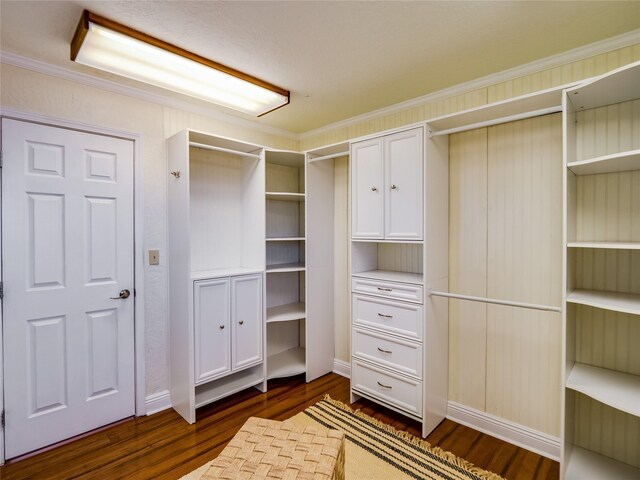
467 266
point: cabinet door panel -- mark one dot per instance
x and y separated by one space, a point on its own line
367 195
212 329
403 185
246 318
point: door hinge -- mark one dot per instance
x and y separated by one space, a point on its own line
1 290
2 419
0 158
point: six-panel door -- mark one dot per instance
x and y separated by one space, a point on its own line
212 329
246 320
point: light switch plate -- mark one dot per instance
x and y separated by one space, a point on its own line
154 257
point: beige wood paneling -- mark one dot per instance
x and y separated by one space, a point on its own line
467 266
523 366
610 270
400 257
525 211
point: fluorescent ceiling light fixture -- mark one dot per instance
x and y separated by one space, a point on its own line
110 46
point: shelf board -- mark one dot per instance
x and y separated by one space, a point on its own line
286 239
286 196
286 313
620 85
582 464
286 364
392 276
494 112
616 389
607 245
617 302
616 162
285 158
217 389
223 272
286 267
204 140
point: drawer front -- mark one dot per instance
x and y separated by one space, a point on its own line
400 318
397 354
403 393
398 291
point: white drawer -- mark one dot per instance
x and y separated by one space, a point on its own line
401 355
396 317
398 291
403 393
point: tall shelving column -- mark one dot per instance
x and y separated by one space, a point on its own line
601 396
285 263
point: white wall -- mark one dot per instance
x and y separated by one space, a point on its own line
34 92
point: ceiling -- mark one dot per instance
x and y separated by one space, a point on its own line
338 59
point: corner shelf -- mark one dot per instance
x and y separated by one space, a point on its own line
620 85
606 245
582 464
615 162
286 364
617 302
286 313
616 389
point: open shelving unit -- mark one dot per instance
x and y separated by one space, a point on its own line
601 393
285 244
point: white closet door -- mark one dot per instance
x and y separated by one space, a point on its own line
367 196
403 185
67 224
212 328
246 317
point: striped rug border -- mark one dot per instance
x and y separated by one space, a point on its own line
411 455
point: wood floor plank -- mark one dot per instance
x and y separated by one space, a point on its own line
165 447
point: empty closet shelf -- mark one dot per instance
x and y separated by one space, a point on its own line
285 196
606 245
285 239
286 313
285 267
617 302
286 364
616 162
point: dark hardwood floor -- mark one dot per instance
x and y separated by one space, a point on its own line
164 446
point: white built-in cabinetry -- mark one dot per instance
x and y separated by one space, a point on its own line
398 345
387 186
216 266
601 400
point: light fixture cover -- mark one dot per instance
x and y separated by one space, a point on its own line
110 46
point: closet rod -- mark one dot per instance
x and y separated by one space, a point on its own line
328 157
497 121
226 150
533 306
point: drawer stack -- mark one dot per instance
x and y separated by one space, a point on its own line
387 343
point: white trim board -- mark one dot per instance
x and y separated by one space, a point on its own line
342 368
139 340
525 437
157 402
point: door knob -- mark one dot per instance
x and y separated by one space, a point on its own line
122 295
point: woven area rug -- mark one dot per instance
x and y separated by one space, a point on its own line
377 451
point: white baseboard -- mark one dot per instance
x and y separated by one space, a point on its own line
342 368
525 437
156 402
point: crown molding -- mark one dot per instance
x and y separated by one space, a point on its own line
115 87
580 53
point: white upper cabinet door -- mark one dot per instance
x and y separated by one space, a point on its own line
367 195
212 330
246 318
403 154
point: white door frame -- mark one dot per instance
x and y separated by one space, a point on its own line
139 320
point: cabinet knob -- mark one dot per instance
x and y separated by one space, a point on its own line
393 187
374 189
241 322
221 327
